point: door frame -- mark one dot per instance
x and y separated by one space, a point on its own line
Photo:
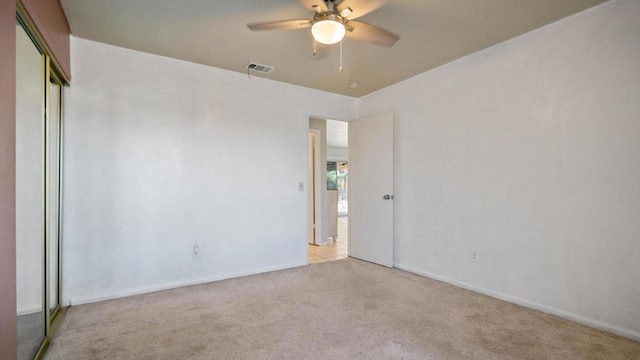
319 194
51 173
314 191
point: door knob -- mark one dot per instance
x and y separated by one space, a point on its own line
387 197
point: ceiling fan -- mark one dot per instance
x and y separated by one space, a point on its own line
335 19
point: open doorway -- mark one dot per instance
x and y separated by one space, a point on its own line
328 190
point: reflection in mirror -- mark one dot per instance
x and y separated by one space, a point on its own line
29 196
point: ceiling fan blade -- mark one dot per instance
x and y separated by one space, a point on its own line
353 9
315 5
360 30
280 24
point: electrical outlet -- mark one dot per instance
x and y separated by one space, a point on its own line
475 255
196 250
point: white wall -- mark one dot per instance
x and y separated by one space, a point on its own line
161 153
528 153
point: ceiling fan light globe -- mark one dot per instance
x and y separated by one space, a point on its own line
328 31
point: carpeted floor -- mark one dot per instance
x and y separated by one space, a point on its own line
347 309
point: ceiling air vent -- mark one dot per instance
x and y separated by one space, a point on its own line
265 69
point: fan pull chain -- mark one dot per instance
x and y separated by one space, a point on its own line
341 69
315 50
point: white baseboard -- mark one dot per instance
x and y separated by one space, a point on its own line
596 324
177 284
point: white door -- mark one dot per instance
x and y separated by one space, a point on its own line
371 189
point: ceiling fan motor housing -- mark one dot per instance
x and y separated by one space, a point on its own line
328 16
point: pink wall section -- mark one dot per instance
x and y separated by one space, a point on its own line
8 337
52 24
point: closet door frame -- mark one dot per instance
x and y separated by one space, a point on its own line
51 74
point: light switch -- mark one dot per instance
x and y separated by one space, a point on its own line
301 186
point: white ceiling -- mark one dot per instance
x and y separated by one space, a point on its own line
213 32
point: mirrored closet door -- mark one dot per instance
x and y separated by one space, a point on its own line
38 164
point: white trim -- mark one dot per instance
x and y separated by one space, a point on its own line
596 324
315 169
178 284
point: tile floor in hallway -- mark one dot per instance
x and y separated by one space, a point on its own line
335 250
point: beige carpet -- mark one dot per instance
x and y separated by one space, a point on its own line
346 309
